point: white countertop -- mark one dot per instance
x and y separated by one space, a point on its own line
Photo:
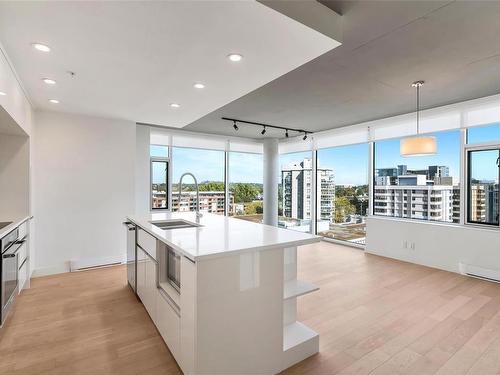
219 235
15 223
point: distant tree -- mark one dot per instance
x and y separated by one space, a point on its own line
212 186
244 192
254 208
343 208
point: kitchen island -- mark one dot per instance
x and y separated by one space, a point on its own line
223 292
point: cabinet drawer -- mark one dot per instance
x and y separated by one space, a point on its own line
168 324
22 253
147 242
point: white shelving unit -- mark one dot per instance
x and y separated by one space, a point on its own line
297 288
295 334
299 341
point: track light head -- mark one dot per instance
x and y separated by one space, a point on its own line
305 136
286 133
263 131
235 126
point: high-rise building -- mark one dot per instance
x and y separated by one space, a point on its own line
413 198
426 194
483 202
296 184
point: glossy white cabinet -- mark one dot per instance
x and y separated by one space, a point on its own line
141 273
168 323
147 282
23 276
22 253
147 242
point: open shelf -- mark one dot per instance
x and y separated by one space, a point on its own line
296 288
295 334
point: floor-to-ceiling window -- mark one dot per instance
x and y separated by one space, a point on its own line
208 168
245 186
482 175
418 187
342 192
295 208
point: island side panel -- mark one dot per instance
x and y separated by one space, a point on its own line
187 360
239 313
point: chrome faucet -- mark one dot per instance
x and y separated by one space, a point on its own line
198 213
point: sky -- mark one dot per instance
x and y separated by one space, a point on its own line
349 163
208 165
387 154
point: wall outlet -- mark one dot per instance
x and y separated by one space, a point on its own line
405 244
412 246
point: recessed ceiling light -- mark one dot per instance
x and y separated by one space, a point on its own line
2 93
199 86
49 81
41 47
174 105
54 101
235 57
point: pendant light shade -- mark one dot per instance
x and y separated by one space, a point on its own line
418 146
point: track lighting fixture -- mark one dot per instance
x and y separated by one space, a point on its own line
265 126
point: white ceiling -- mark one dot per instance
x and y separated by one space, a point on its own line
453 45
132 59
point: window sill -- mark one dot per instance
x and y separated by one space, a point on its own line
437 223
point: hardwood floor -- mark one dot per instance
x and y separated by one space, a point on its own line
374 315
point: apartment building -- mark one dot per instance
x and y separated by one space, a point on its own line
210 201
296 184
417 194
483 202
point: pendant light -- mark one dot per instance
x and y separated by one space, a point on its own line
418 146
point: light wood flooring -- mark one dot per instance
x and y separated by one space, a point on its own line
374 316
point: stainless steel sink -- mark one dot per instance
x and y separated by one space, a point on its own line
174 224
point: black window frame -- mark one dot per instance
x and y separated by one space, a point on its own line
159 159
468 180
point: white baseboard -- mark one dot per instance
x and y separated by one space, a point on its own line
480 272
82 264
51 270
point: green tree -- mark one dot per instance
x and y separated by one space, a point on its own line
343 208
244 192
254 208
212 186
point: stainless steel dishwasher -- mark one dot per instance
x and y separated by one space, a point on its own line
131 255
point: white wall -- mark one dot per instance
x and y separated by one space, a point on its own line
14 177
436 245
84 179
142 170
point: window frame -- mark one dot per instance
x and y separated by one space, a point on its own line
462 179
159 159
370 186
468 149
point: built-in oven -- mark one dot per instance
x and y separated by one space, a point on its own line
9 270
